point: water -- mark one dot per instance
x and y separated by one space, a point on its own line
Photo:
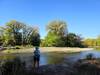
51 57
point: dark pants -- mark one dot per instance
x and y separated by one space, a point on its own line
36 61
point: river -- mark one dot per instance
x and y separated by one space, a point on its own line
51 57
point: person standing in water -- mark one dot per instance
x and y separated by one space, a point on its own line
36 57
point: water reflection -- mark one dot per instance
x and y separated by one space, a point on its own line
52 58
7 57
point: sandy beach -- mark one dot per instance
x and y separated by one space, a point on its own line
64 49
48 49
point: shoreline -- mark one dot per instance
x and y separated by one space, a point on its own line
48 49
63 49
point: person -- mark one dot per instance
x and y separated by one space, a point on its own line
36 57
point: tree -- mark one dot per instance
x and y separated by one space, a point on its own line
26 33
14 28
57 27
73 40
90 42
6 36
51 39
57 30
54 40
2 35
17 33
35 37
98 41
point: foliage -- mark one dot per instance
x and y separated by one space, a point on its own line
14 28
51 39
92 42
70 40
58 36
74 40
35 37
13 67
11 34
56 30
57 27
26 33
98 41
17 33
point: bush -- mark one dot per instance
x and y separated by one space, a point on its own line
13 67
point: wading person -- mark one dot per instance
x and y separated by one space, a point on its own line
35 41
36 57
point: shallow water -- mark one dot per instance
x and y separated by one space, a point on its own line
50 57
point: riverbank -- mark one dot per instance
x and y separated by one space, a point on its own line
63 68
47 49
80 67
64 49
54 69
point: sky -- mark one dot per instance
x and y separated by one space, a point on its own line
82 16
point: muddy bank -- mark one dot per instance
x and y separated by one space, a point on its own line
54 69
81 67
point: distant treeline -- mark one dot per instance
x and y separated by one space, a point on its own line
92 42
18 33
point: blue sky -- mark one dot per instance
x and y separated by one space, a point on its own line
82 16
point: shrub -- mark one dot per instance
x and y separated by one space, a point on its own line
13 67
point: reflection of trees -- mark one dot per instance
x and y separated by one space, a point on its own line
54 58
14 67
7 57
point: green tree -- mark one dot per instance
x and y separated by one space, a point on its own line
34 37
90 42
17 33
26 33
14 28
73 40
51 39
2 35
98 41
54 40
6 36
57 30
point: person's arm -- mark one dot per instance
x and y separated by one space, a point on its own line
39 52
